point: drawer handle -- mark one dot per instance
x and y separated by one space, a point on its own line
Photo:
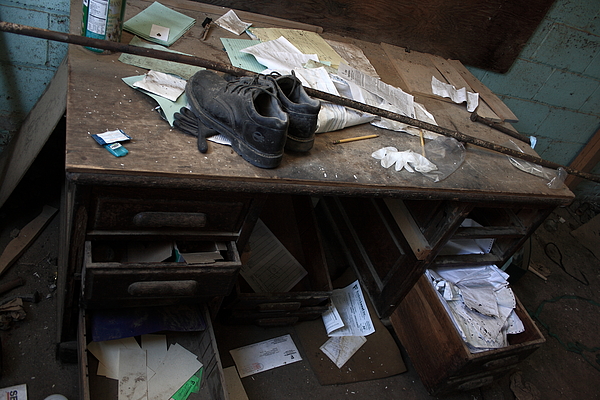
160 288
157 219
270 307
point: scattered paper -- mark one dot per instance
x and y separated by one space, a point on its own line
349 309
165 85
18 392
184 71
234 47
231 22
305 41
176 368
480 304
159 15
456 95
159 32
279 55
401 100
340 349
168 107
271 268
132 374
265 355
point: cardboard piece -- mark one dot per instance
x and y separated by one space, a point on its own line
378 358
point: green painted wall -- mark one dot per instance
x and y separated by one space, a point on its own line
554 86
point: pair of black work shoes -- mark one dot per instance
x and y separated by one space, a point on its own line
260 115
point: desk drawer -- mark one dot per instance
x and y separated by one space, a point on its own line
111 281
173 210
201 343
292 221
439 354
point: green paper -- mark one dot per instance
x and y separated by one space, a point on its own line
191 386
157 14
239 59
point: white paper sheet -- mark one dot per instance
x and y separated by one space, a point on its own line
271 268
164 85
265 355
177 367
133 383
340 349
353 311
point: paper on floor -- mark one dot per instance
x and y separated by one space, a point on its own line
265 355
349 315
340 349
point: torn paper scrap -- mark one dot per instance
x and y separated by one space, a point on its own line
407 159
351 308
271 268
456 95
265 355
340 349
231 22
165 85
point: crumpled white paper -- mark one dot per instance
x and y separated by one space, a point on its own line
407 159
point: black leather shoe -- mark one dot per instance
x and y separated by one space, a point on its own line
249 115
302 109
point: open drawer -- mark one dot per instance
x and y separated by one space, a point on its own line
291 219
441 357
201 343
111 280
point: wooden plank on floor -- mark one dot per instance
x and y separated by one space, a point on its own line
585 161
488 96
27 235
33 134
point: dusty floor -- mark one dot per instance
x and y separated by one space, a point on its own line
567 366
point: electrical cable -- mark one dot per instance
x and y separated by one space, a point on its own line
574 347
561 265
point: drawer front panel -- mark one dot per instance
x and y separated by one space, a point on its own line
132 284
168 211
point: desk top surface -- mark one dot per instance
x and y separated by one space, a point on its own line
98 100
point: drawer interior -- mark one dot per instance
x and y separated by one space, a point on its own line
201 343
114 275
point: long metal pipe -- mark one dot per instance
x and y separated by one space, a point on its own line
216 66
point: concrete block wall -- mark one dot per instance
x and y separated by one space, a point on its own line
554 85
27 64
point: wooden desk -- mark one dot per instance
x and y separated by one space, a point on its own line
163 160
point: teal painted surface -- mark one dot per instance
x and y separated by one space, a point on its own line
28 64
554 86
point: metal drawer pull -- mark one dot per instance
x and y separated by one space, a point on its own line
161 288
156 219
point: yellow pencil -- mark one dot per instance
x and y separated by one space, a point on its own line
354 139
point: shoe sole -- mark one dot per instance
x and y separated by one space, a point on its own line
253 156
297 145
